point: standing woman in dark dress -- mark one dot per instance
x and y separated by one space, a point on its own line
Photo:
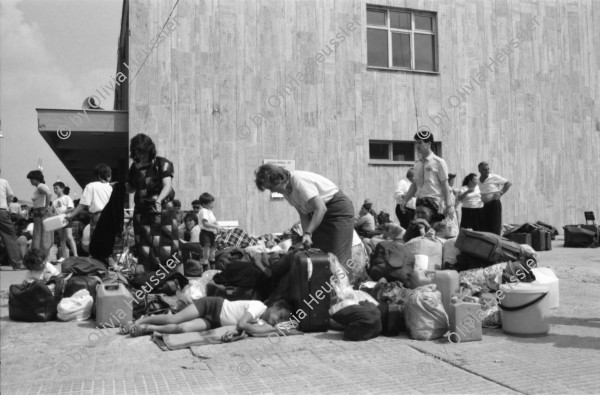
155 226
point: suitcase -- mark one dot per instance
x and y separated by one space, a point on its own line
553 231
521 238
538 240
549 238
392 319
310 287
487 246
577 236
593 228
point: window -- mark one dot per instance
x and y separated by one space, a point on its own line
392 152
400 39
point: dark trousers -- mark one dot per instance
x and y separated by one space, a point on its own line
9 238
336 231
404 219
492 217
472 218
190 251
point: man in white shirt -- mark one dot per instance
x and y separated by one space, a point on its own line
405 214
492 188
14 207
431 176
7 230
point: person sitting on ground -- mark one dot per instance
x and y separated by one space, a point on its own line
211 312
191 249
428 212
368 205
391 232
365 224
24 231
38 266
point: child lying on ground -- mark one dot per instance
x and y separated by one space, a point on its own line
251 316
39 268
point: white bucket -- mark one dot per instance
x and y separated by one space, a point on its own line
421 262
545 275
525 308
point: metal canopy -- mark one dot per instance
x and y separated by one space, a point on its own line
83 138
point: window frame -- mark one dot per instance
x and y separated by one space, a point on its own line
391 31
391 162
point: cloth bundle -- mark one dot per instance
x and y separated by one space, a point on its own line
235 237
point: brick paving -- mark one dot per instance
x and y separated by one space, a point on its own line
77 358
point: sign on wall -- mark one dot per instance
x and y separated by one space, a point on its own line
289 165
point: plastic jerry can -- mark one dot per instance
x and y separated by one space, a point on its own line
446 282
55 222
114 305
465 324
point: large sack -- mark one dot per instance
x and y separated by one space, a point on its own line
84 266
424 314
430 246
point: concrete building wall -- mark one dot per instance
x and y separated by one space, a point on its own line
219 91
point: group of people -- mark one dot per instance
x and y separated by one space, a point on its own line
478 198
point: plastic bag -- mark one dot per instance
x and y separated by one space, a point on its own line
196 289
424 314
340 281
77 307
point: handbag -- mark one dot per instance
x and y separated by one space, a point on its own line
36 301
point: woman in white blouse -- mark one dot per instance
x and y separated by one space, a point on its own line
326 214
472 206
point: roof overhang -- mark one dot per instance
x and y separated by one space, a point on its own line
83 138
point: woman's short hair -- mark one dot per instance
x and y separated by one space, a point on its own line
432 205
282 304
34 259
468 179
191 216
270 175
206 198
451 176
103 172
59 184
36 175
142 142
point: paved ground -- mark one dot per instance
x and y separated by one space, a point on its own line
76 358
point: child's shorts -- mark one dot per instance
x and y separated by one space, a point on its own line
207 239
209 309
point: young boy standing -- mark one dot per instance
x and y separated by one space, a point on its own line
209 228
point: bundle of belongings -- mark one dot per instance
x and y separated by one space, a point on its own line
539 235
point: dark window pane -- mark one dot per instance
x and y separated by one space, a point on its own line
423 22
424 53
400 20
377 47
376 18
401 50
404 151
379 151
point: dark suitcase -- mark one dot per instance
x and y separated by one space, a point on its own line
310 287
593 228
553 231
577 236
549 239
520 238
392 319
538 240
487 246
